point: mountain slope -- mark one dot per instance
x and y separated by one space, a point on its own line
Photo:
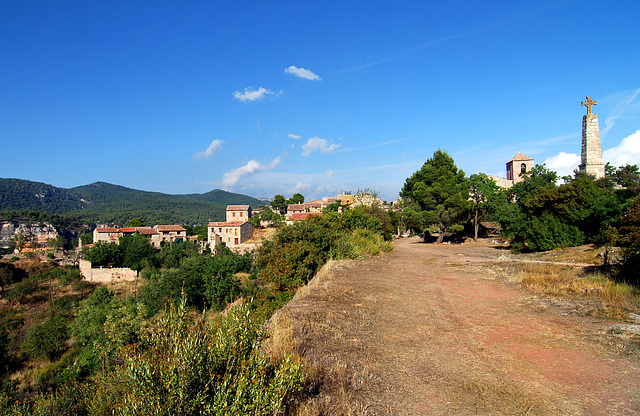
107 203
20 194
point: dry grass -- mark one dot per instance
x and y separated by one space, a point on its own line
615 299
332 381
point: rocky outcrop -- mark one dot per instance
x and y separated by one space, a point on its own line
41 233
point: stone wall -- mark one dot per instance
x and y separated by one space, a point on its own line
105 274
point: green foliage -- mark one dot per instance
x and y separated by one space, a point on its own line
137 222
9 274
437 194
86 238
72 208
172 255
627 236
48 339
138 252
192 365
483 191
133 252
208 281
21 290
103 325
297 198
279 203
296 252
541 216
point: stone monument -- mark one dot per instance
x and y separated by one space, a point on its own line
592 162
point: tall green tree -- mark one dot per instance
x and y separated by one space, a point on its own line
437 194
297 198
137 222
279 203
483 190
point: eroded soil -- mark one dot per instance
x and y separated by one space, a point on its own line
431 330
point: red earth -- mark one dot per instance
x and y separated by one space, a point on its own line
436 330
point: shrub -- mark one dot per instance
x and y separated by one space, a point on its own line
195 365
48 339
22 289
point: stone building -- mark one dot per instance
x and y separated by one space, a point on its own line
238 213
233 232
518 167
170 233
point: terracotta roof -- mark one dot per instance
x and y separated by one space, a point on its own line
303 216
169 228
227 224
146 231
128 230
295 207
314 203
238 207
107 230
520 156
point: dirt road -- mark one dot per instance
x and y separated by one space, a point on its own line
429 330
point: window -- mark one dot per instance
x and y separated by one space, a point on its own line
523 168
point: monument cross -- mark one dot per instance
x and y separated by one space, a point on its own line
589 103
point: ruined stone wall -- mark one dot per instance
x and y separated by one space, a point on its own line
105 274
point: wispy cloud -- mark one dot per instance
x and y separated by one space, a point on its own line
206 154
317 144
293 136
231 178
250 94
302 73
452 37
619 109
373 146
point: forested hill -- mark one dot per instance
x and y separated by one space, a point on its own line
107 203
19 194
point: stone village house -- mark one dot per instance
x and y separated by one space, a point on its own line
157 235
236 230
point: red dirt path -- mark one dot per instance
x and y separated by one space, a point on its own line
430 330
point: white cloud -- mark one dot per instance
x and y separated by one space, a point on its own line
563 163
302 73
250 94
300 187
231 178
316 144
330 173
627 152
293 136
215 145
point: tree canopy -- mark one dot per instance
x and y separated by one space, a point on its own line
437 194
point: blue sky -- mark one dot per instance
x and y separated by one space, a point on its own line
313 97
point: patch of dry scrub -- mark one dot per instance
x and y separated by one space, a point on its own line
611 298
332 380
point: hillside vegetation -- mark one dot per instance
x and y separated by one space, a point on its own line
161 347
106 203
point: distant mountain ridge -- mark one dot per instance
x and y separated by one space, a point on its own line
107 203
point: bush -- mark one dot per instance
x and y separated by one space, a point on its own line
48 339
22 289
195 365
548 233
